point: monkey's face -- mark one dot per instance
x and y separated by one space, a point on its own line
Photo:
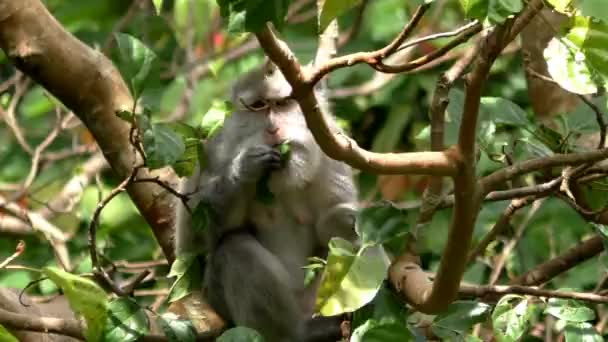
265 114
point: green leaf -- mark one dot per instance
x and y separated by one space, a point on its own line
501 10
591 37
332 9
350 280
86 298
562 6
162 145
188 271
252 15
213 120
476 9
505 112
35 103
512 317
193 147
569 310
380 331
581 332
262 191
6 336
381 223
158 6
127 321
125 115
594 8
285 151
240 334
177 329
200 218
459 318
136 62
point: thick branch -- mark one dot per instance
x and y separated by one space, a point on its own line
432 297
560 264
92 88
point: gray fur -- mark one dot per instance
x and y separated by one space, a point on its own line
254 274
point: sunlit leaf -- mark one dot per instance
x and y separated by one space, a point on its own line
158 6
86 298
350 279
569 310
187 269
581 332
562 6
6 336
213 120
511 318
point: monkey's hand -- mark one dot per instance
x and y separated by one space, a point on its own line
256 161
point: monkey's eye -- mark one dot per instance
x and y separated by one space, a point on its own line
257 105
282 102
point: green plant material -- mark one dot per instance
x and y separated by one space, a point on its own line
511 318
476 9
200 218
263 193
86 298
158 6
162 145
585 332
213 120
252 15
494 11
350 279
381 331
459 318
176 329
240 334
332 9
381 223
188 271
127 321
6 336
193 149
569 310
136 62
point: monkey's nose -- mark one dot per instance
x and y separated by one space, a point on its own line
272 130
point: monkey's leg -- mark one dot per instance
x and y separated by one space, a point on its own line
249 286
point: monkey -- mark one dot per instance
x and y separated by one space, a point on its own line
254 274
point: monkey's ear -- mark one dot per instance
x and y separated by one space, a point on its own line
269 67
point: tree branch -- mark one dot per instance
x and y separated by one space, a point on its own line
93 89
